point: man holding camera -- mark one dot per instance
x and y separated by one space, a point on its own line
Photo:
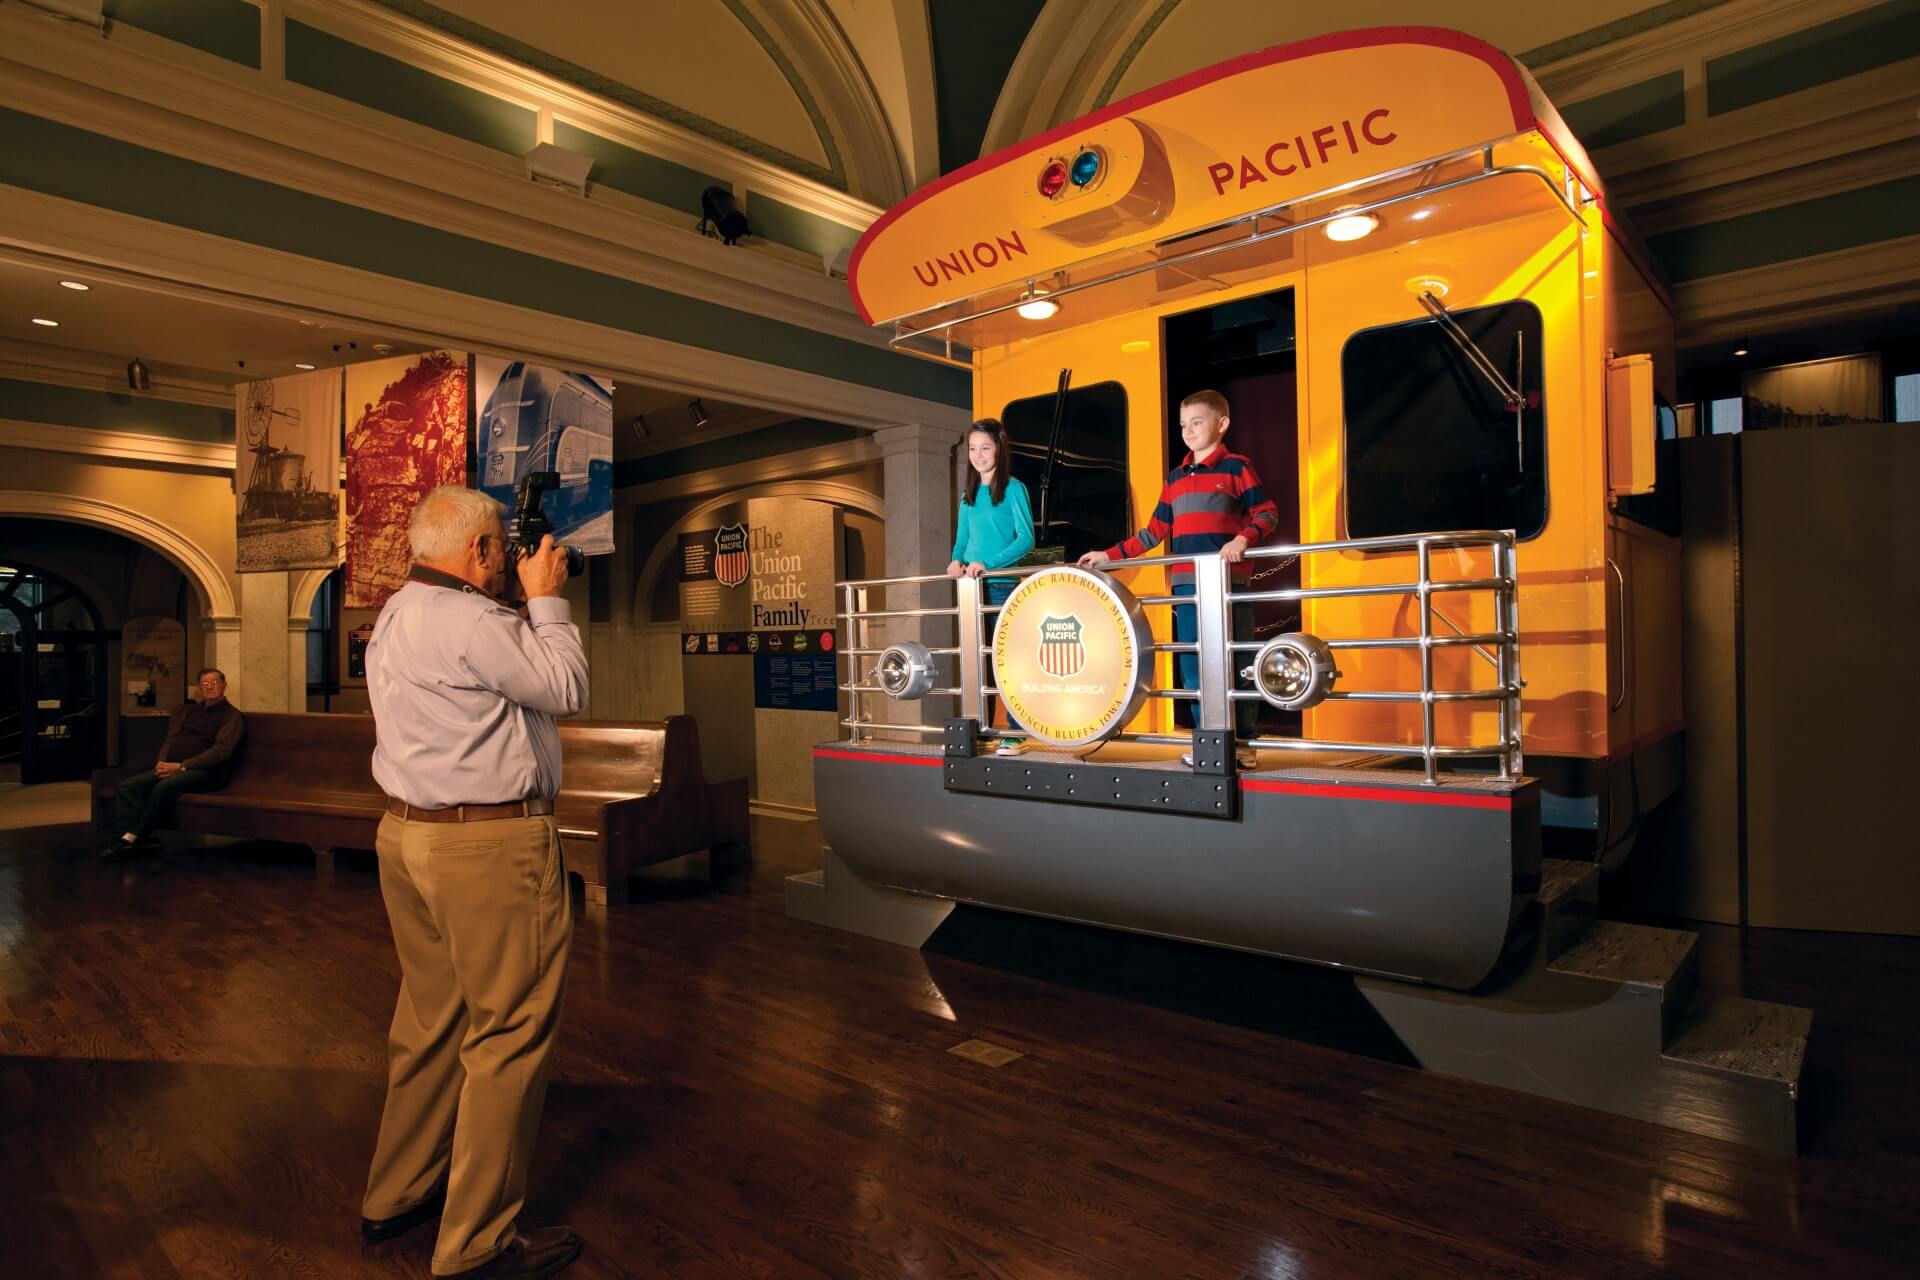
464 695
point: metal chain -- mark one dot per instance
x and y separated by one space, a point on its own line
1282 563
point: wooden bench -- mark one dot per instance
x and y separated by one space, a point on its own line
633 794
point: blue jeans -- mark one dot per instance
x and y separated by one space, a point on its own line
1186 666
998 589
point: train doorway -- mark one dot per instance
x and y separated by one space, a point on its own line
1245 350
53 659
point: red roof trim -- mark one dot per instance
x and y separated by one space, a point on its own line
1394 795
1369 37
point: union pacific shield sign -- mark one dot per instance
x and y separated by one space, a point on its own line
730 558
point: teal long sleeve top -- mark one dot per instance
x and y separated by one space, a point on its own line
995 534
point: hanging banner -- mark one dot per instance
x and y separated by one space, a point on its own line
287 467
406 434
535 418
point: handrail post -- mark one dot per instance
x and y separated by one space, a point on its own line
854 639
967 594
1425 553
1211 615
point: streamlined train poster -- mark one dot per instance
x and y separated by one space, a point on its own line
529 418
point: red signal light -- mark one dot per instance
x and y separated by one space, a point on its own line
1053 178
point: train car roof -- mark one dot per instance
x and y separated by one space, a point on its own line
1261 130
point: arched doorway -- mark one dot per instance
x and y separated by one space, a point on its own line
53 677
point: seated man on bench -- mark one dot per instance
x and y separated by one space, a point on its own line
196 756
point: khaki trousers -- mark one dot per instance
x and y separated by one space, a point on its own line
482 922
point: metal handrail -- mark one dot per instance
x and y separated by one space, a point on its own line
1214 594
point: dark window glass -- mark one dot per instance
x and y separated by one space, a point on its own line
1087 508
1430 444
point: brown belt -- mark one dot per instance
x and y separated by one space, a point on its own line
469 812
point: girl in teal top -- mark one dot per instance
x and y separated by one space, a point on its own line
995 527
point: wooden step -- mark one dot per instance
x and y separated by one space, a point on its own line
1563 880
1750 1039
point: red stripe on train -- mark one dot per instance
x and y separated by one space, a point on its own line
1394 795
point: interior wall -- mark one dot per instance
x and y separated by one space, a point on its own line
1831 606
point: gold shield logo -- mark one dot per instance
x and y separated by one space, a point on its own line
1071 656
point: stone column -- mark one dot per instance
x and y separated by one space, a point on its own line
221 648
261 682
918 485
297 661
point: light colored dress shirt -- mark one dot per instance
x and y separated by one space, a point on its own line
465 693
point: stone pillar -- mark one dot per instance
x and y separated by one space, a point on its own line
261 682
918 485
297 661
220 647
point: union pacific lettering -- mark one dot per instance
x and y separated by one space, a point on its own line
1302 151
983 255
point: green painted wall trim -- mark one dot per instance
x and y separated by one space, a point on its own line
1845 220
748 446
1619 29
227 29
113 411
974 45
1630 112
60 160
782 223
637 173
325 62
1846 46
832 173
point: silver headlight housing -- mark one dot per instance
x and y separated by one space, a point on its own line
905 670
1294 671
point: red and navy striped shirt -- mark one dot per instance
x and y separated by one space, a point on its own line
1204 506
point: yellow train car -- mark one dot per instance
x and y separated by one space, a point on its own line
1390 254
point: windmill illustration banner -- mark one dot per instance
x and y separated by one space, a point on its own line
287 472
406 434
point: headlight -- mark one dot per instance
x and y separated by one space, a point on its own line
1294 671
905 670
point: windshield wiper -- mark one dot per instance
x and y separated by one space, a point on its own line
1511 397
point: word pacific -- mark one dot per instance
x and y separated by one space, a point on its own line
1302 151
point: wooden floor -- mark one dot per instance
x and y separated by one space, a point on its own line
191 1066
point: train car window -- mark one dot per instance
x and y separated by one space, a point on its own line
1087 508
1430 443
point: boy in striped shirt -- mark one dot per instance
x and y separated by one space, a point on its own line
1212 502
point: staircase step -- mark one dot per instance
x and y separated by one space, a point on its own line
1637 954
1562 879
1736 1036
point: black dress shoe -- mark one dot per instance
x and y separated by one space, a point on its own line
374 1230
121 851
533 1255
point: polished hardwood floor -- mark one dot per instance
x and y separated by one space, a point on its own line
191 1065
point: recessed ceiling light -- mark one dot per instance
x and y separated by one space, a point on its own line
1739 351
51 324
75 285
302 366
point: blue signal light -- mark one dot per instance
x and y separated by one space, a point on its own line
1086 167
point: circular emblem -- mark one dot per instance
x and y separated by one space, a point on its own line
1071 656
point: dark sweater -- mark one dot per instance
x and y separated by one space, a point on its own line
202 736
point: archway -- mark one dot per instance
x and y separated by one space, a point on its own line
209 581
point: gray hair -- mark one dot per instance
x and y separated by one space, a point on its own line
447 519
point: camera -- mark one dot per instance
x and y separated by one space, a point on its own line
530 524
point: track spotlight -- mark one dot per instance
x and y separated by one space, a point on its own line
640 427
720 216
137 376
698 414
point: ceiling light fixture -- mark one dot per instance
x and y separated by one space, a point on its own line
698 413
1352 226
301 365
640 427
75 285
1740 350
44 323
137 376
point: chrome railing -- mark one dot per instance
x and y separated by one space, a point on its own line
1213 599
